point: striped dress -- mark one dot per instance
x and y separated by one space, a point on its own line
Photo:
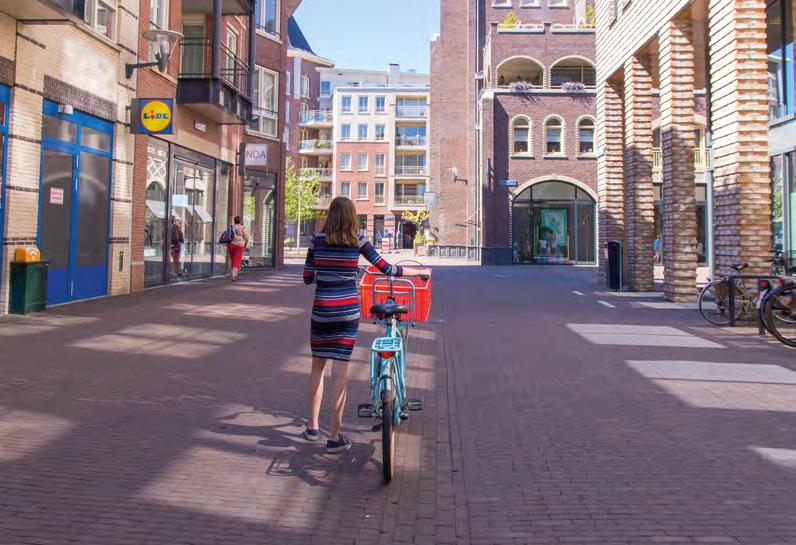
335 311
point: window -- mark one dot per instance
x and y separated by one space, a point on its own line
521 136
379 164
326 88
573 70
362 161
557 3
287 109
411 136
530 3
378 189
501 3
362 132
779 46
265 102
159 14
586 136
380 104
346 104
363 104
553 136
345 189
362 190
380 132
305 86
345 161
286 138
288 79
617 8
269 16
345 132
101 16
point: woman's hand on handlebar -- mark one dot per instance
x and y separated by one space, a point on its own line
423 272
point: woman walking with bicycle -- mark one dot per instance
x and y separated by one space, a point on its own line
333 263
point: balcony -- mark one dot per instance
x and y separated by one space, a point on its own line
43 9
411 112
228 7
323 174
410 141
409 201
222 95
323 202
701 159
315 147
317 119
404 170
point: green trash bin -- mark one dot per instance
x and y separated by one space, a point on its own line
28 287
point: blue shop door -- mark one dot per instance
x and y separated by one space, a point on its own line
73 230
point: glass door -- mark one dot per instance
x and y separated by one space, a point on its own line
55 225
191 233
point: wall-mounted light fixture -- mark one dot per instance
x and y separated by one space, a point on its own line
167 40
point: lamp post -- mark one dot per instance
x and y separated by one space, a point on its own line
167 40
298 222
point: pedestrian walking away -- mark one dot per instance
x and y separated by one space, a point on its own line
239 241
332 263
176 240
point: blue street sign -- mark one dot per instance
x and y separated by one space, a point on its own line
508 183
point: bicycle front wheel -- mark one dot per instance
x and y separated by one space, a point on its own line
714 302
779 314
387 435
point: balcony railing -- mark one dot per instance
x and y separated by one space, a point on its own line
306 145
323 201
409 200
701 159
521 28
410 140
321 173
316 116
196 55
401 170
411 111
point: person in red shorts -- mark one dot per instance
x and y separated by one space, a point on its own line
236 247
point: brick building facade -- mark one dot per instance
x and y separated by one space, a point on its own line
695 165
534 162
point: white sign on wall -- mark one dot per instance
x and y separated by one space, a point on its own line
255 155
56 195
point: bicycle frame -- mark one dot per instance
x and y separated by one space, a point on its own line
387 372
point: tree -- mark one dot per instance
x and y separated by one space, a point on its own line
418 219
301 196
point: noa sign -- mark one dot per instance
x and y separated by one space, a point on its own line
255 155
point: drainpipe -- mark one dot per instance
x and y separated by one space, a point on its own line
711 255
477 132
252 49
215 45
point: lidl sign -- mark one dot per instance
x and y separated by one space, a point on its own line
152 116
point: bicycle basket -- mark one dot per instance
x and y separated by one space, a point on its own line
402 292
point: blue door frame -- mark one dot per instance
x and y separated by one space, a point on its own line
5 99
72 290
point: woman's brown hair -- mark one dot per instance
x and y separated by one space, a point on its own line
341 223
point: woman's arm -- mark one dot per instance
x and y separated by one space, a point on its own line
367 251
309 264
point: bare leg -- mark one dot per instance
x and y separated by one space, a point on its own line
339 391
316 391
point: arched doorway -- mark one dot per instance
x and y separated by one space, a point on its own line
554 222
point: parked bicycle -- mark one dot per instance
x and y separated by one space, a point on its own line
397 303
777 310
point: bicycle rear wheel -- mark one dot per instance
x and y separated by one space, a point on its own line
387 435
714 302
779 314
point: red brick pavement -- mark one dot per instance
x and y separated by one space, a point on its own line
170 417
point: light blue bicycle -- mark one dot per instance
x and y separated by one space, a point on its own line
389 403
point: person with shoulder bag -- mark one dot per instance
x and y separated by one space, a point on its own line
237 239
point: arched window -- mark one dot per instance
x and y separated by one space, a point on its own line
586 136
520 136
520 70
573 70
155 192
554 136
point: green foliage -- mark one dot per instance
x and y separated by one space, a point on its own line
420 238
591 16
511 20
418 218
301 194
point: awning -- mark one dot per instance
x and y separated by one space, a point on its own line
202 213
158 208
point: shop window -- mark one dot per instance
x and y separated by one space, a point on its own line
586 136
554 132
520 136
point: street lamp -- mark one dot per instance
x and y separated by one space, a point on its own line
167 40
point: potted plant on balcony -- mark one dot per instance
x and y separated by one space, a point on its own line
573 87
520 86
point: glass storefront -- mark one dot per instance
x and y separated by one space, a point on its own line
783 204
259 218
779 45
702 225
553 222
187 208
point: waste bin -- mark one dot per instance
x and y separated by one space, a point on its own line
614 264
28 287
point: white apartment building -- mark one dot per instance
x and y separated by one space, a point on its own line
378 137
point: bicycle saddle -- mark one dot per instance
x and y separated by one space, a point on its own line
388 310
740 266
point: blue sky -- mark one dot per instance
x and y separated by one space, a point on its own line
369 34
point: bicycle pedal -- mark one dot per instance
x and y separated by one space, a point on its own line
376 427
415 404
365 410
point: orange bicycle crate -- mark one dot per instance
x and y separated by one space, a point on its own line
401 291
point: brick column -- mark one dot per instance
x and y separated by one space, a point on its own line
676 50
739 117
639 199
610 169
